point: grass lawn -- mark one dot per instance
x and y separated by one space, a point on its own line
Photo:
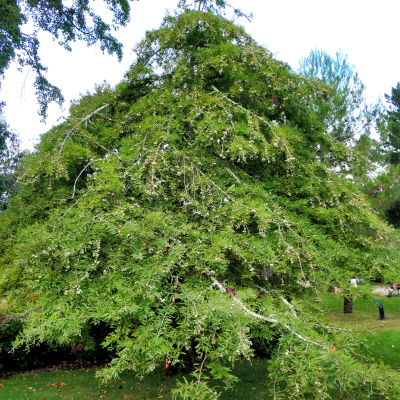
82 384
383 338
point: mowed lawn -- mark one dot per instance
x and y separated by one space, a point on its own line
383 338
82 384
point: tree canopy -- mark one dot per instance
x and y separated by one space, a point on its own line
192 210
67 22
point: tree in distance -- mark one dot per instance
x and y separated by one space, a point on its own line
346 114
384 188
10 158
393 128
188 208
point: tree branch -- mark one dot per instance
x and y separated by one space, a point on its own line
81 122
268 319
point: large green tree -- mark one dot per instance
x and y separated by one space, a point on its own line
189 209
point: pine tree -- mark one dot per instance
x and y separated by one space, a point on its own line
346 114
393 137
190 209
10 158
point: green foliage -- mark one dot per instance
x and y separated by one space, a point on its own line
192 209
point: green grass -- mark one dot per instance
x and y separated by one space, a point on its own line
383 338
82 384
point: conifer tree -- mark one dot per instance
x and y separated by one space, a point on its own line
190 209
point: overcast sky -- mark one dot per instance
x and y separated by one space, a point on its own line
365 30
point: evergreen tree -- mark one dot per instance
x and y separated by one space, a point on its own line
190 209
384 188
346 114
10 158
393 128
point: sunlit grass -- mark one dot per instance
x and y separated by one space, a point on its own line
383 337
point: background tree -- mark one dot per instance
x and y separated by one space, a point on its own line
10 158
346 114
383 186
393 125
188 208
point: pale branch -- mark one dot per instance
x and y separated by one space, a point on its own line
162 322
55 224
78 124
268 319
97 144
201 367
76 180
290 306
237 179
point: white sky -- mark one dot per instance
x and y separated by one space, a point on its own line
365 30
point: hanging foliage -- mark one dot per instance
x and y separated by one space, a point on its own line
192 209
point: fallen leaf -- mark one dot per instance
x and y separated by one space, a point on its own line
160 397
102 397
62 384
1 385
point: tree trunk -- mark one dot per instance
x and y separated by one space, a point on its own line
348 305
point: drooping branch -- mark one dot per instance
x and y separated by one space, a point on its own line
264 318
78 124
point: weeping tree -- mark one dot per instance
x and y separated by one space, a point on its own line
192 210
